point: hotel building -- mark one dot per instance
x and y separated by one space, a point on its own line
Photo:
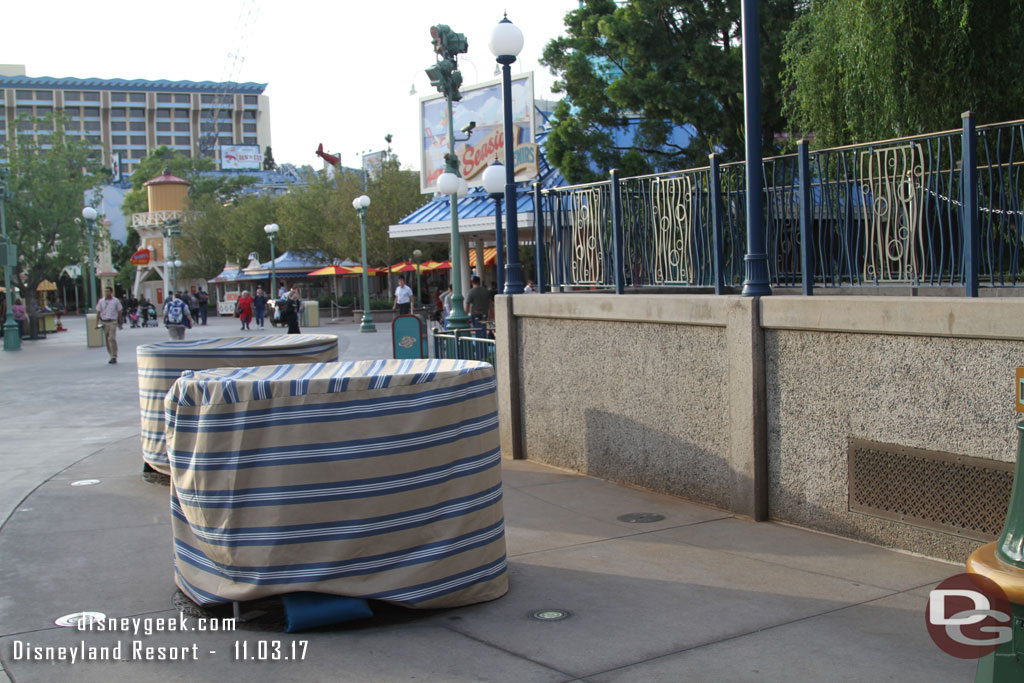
130 118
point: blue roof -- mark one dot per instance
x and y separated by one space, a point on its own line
133 84
300 259
478 203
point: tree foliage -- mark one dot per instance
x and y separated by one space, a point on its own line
667 64
47 188
860 70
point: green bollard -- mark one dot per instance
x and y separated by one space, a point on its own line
1003 562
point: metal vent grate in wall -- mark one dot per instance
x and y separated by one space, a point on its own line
943 491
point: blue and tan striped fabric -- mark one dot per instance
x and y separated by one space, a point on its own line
161 364
372 479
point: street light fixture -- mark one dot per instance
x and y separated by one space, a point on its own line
271 231
494 183
360 204
9 260
446 77
89 214
174 281
506 43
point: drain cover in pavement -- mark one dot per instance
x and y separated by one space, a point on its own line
550 614
641 517
85 482
80 619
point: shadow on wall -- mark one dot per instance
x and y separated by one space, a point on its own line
623 450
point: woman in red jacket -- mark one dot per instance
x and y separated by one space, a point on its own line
244 308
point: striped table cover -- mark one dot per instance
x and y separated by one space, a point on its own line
161 364
372 479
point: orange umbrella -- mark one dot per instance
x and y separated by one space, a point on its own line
358 270
331 270
490 256
440 265
403 267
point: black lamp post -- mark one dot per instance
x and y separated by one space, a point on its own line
506 43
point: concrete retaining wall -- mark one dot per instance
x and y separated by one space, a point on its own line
747 404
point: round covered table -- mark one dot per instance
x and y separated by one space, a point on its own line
161 364
369 479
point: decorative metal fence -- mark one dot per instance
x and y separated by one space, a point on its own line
463 345
893 212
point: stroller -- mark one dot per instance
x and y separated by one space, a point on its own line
149 317
133 317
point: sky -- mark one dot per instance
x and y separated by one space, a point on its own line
336 73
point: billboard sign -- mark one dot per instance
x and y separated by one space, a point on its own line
373 163
240 157
481 104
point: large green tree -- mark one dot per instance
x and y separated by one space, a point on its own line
48 178
861 70
667 64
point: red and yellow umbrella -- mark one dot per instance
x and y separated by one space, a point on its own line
490 256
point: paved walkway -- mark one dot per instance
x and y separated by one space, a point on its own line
698 596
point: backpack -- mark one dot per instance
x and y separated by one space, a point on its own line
203 297
175 312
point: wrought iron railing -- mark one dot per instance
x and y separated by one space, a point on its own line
463 345
892 212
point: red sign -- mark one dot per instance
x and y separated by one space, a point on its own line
140 258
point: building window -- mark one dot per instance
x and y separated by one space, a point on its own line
205 126
206 99
138 139
163 140
251 99
118 125
92 125
24 111
44 111
163 97
23 94
163 113
181 113
181 127
119 140
44 95
249 140
249 115
225 140
183 98
138 154
249 127
182 140
117 112
136 113
224 127
137 97
92 111
74 112
91 96
163 127
137 125
118 97
93 139
72 96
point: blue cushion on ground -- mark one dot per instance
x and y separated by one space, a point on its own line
309 610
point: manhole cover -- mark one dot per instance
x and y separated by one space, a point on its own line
641 517
85 482
79 619
549 614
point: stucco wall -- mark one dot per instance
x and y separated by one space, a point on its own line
639 403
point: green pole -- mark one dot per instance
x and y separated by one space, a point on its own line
360 204
417 255
12 340
273 269
458 320
92 268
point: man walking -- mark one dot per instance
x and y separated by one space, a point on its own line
403 297
203 299
477 303
176 317
109 310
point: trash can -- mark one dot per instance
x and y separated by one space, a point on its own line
93 333
310 314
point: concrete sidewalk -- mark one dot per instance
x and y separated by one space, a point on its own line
697 596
